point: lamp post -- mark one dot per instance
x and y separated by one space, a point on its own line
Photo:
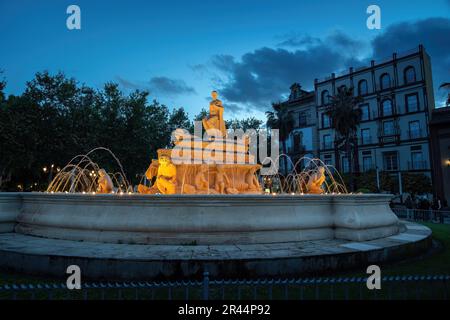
378 180
50 171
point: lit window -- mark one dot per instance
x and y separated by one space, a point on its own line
364 112
390 161
365 136
362 87
325 97
367 163
385 81
412 103
388 128
414 130
386 107
327 144
326 121
410 75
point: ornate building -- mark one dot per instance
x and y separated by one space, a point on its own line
397 102
302 140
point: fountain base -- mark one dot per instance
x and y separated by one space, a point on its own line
203 219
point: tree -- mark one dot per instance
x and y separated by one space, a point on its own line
282 120
2 87
345 117
446 85
244 124
416 183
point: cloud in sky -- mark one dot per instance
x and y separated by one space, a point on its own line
160 85
265 74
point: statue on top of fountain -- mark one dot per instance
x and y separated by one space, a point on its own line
212 164
215 118
316 181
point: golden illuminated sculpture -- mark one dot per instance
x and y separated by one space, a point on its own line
166 175
104 182
316 181
215 118
214 169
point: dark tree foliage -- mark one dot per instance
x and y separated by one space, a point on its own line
57 118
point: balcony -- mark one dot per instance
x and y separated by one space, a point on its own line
417 165
364 140
300 149
389 136
367 167
327 145
415 134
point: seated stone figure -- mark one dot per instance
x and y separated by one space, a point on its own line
201 182
166 175
104 182
316 181
251 180
215 119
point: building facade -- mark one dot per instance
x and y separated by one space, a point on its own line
397 102
440 147
302 140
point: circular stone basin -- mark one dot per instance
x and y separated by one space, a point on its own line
198 219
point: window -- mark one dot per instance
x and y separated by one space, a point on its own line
417 162
414 129
303 119
365 136
327 144
367 163
362 87
385 81
410 75
345 166
386 108
364 112
325 97
327 160
326 121
412 102
390 161
388 128
298 137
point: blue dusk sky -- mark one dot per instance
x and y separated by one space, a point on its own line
251 51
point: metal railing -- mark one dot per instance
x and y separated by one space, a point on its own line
417 165
439 216
415 134
343 288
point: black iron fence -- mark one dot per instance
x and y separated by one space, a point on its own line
392 288
438 216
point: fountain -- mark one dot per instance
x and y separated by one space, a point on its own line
206 205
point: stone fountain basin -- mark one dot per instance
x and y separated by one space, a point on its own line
198 219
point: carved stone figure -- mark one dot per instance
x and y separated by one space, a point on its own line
316 181
166 175
250 179
201 183
222 180
215 118
104 181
